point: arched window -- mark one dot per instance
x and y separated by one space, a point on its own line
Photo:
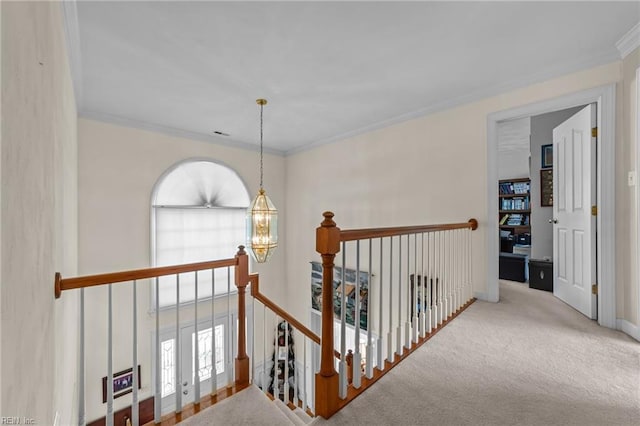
198 214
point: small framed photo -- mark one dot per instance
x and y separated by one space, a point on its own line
547 156
122 383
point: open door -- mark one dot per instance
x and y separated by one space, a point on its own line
574 226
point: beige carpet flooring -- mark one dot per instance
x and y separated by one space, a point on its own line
528 360
248 407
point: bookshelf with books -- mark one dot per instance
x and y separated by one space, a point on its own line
514 205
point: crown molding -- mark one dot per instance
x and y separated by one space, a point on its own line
629 42
72 35
171 131
606 57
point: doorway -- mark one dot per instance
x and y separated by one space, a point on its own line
604 98
181 368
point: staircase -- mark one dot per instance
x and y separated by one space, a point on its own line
250 407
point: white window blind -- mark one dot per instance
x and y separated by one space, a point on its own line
199 210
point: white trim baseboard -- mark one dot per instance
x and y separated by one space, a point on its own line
628 328
629 42
605 97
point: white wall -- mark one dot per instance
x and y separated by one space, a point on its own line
427 170
514 148
542 134
1 207
627 254
118 169
39 171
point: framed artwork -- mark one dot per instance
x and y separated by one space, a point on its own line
122 383
348 287
547 156
546 188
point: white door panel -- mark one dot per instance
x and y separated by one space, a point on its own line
574 227
222 346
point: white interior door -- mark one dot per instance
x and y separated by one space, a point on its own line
205 345
574 192
221 346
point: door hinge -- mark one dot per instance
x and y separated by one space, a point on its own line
594 210
594 132
594 289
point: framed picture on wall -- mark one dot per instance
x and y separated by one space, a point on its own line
546 188
547 156
122 384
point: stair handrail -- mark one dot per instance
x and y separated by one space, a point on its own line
255 293
361 234
62 284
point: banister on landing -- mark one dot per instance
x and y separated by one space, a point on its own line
394 288
385 292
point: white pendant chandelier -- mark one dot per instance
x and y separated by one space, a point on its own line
262 216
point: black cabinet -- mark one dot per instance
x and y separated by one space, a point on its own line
541 274
512 267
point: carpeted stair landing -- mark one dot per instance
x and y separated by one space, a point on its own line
249 407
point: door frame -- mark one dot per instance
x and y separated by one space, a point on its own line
605 98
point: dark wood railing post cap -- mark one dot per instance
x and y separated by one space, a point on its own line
328 235
57 285
241 251
474 224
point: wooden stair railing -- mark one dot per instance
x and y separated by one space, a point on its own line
242 279
446 286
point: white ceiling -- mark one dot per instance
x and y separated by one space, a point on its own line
328 69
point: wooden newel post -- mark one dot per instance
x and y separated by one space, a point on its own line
327 244
242 279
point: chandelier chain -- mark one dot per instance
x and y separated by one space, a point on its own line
261 108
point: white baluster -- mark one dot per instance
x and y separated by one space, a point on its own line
342 366
369 354
441 273
286 362
447 277
429 283
82 419
296 377
423 302
454 262
407 324
399 330
276 364
157 406
214 369
254 367
416 289
265 386
304 373
109 417
196 355
390 333
470 265
379 343
178 364
357 356
230 337
134 348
